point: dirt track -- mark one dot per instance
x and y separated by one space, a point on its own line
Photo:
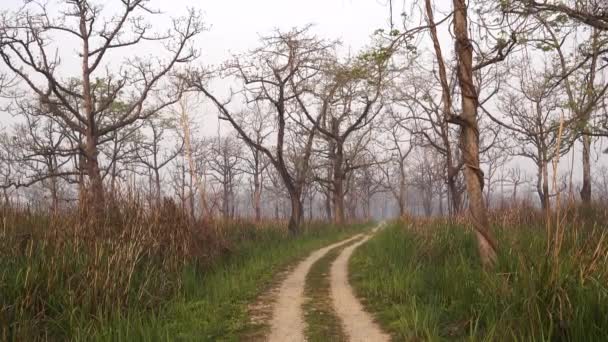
287 320
358 324
287 324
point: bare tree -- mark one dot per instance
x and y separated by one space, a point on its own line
351 101
224 167
255 161
282 67
532 113
368 183
81 103
37 151
425 118
426 175
579 75
494 160
394 168
153 155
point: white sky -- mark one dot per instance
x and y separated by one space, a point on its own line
235 25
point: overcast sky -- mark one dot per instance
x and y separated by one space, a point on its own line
235 26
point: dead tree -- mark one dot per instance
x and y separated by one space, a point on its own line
81 102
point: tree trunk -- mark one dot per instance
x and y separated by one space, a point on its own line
586 189
469 136
547 200
455 199
310 207
191 196
226 199
276 210
338 186
402 192
95 193
296 213
52 162
328 205
539 188
157 185
441 201
257 197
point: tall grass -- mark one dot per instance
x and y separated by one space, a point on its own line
424 281
65 277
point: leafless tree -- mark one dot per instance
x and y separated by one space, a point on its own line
426 176
224 166
82 103
274 74
494 160
36 151
368 183
255 162
394 168
531 112
151 150
348 105
425 119
579 75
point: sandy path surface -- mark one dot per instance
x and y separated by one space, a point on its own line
287 323
358 324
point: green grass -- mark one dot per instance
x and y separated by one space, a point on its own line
426 284
138 277
322 323
213 304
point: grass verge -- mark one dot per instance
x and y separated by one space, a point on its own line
136 275
426 284
213 305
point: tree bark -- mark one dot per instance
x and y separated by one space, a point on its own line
469 136
338 187
257 197
296 213
586 188
454 194
157 185
95 193
328 205
95 190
